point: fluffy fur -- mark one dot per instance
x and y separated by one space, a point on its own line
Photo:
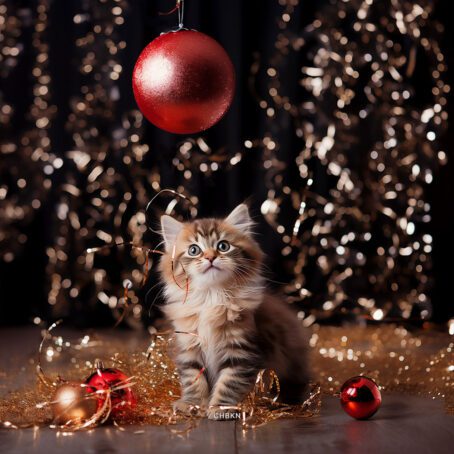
237 327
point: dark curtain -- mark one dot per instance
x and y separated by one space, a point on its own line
247 30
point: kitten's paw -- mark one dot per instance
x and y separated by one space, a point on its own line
186 408
221 413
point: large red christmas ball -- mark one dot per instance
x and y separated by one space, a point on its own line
109 379
360 397
183 82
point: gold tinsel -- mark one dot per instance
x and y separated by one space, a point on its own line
419 362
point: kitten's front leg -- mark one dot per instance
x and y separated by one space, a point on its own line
232 386
195 389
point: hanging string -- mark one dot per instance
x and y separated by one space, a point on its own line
179 7
180 13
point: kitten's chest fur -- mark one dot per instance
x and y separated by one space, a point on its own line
213 319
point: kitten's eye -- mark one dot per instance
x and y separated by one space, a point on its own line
194 250
223 246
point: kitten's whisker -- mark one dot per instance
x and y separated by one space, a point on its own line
154 300
261 265
245 268
159 244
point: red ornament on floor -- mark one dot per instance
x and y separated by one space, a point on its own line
360 397
123 399
183 82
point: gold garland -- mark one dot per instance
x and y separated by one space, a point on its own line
419 362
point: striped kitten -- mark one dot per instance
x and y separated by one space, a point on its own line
239 328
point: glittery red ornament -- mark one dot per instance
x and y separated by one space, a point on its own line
360 397
110 379
183 82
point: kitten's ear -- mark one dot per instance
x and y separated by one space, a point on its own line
240 218
170 230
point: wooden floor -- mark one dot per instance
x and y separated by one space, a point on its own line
404 424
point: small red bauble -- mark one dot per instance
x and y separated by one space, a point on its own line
360 397
183 82
105 379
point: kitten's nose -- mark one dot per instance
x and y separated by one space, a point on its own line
209 255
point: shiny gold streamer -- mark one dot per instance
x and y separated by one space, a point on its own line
418 362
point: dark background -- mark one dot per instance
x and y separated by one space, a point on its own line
243 28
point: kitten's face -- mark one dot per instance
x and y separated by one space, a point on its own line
214 252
